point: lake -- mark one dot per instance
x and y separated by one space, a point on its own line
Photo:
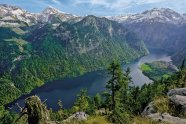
67 89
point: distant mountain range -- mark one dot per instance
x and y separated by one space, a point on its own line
162 15
12 15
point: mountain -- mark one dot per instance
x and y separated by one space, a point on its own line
12 15
159 28
15 16
31 55
53 15
179 56
162 15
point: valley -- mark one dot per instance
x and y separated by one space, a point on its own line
34 54
67 89
116 68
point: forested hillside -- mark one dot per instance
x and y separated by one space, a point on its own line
33 55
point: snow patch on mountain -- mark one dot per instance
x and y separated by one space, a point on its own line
162 15
9 15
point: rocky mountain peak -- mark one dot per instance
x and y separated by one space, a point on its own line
8 10
160 15
12 15
51 10
165 13
15 16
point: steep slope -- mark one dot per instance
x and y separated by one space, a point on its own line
179 56
159 28
31 56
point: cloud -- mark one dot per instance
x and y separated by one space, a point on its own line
56 1
130 6
115 4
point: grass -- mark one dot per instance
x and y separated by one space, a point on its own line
145 67
162 104
97 119
143 120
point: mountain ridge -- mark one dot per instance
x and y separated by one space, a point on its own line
13 15
161 15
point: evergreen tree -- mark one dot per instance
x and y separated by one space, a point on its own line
113 84
97 101
82 102
118 87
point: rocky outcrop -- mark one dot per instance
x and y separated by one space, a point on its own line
80 116
180 91
177 97
165 117
150 109
36 111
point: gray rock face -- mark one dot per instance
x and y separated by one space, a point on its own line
149 110
165 117
180 91
80 116
178 98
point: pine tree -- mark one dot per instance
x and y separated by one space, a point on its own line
118 87
113 84
82 102
97 101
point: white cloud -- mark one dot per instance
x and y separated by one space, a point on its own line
117 4
56 1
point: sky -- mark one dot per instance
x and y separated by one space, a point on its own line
98 7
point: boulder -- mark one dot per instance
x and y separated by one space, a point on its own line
179 91
149 110
178 98
80 116
165 117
